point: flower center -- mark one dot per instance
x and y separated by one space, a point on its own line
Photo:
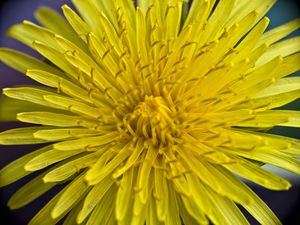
153 119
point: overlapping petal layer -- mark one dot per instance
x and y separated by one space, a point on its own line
150 111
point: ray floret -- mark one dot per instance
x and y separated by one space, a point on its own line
151 111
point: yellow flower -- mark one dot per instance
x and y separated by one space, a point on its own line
151 111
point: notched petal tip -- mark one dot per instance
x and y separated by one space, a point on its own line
266 20
41 10
89 180
29 168
6 91
45 179
19 117
11 205
54 214
287 186
37 43
27 22
65 7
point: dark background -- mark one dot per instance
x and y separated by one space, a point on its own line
286 205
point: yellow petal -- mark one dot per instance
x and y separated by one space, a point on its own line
93 198
34 95
191 218
124 195
71 194
22 62
144 174
283 48
104 210
71 217
151 217
198 12
261 212
268 118
101 170
200 201
225 210
55 22
89 12
131 160
285 85
62 134
29 192
275 158
81 28
96 74
51 119
27 32
68 169
173 19
251 39
44 215
74 106
217 178
216 21
280 93
15 170
55 57
109 8
280 32
60 83
243 7
173 211
160 193
49 157
9 108
87 141
21 136
258 175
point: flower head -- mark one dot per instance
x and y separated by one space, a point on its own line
149 112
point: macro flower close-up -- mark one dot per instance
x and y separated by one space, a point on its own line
152 112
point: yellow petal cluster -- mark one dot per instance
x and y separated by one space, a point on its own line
150 111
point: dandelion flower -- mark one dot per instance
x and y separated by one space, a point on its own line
150 111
